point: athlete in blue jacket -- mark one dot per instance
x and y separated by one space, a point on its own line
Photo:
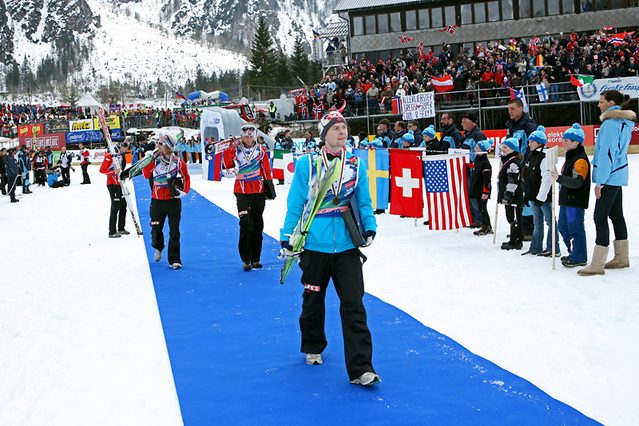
610 173
329 252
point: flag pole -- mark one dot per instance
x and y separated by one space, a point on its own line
554 153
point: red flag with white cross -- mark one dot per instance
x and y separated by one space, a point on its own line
406 183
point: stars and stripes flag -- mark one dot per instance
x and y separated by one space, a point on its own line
617 39
405 39
450 28
446 192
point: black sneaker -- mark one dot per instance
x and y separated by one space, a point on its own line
15 201
123 232
256 265
379 211
116 235
247 266
548 253
570 264
511 246
529 253
565 258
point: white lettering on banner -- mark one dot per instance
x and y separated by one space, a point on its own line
421 105
407 183
626 85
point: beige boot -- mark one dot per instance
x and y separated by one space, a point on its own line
621 255
596 267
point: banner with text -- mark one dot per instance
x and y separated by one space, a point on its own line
627 85
421 105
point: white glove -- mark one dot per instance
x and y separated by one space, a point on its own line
287 250
181 194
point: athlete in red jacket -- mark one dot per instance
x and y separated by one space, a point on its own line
84 163
253 167
167 170
118 203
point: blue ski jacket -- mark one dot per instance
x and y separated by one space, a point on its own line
328 233
610 162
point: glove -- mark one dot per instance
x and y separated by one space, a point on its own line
181 194
369 236
539 203
288 251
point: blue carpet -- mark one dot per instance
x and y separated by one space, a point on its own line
233 341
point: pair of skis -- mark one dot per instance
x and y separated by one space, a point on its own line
125 190
316 195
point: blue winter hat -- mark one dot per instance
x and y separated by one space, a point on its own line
408 137
486 144
512 143
429 131
539 135
575 134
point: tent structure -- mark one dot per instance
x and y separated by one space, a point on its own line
88 101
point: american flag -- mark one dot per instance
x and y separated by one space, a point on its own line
446 193
405 39
451 29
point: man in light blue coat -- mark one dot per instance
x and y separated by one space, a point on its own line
329 252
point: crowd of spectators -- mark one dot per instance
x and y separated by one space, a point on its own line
491 69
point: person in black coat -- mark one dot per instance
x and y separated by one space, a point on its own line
12 170
511 192
3 173
480 184
24 163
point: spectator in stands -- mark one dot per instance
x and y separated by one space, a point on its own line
413 126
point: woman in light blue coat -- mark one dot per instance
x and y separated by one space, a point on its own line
610 174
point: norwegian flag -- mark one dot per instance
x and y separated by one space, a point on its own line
420 49
450 28
446 192
534 40
513 41
405 39
617 39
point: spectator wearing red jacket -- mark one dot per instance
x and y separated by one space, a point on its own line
40 165
111 169
84 163
250 159
171 182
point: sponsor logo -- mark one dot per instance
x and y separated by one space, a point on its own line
243 212
77 137
155 223
589 90
311 287
81 125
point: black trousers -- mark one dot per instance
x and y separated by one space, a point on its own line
12 182
3 184
85 173
64 171
483 211
250 208
345 269
610 205
160 210
118 209
514 217
40 177
26 181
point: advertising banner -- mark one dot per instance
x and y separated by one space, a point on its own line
421 105
57 127
84 136
27 131
113 122
81 125
56 141
627 85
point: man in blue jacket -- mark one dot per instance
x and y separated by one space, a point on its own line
12 169
329 252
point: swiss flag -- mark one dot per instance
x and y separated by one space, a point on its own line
407 174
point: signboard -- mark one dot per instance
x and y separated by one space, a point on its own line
113 122
57 127
627 85
81 125
85 136
421 105
27 131
56 141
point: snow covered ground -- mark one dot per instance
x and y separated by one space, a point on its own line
81 341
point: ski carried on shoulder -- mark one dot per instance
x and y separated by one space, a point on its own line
136 168
316 196
125 190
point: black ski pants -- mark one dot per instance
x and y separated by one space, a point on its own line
514 217
250 208
64 171
118 209
482 206
40 177
3 184
160 210
85 173
11 187
610 205
345 269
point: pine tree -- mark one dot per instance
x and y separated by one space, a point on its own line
283 72
299 61
263 56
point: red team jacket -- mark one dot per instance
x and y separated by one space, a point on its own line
108 168
161 172
85 156
251 171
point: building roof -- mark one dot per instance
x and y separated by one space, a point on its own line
335 29
347 5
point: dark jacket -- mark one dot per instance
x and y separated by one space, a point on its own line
510 189
524 126
480 177
575 185
532 176
435 147
451 135
11 166
470 139
2 166
397 141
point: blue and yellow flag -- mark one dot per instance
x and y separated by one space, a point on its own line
315 34
376 161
